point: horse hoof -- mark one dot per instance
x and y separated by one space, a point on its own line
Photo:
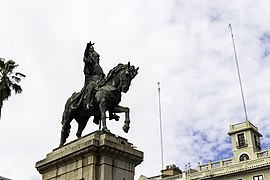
106 130
78 135
125 128
61 144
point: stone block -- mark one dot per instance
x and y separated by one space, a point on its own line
96 156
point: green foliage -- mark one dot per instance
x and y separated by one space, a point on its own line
8 80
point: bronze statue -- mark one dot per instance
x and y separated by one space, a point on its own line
93 73
98 95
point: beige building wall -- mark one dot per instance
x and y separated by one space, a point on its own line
251 140
245 139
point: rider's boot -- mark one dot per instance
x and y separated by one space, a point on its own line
89 105
89 100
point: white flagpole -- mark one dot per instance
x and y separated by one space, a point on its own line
160 126
238 71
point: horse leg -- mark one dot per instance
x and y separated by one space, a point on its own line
113 116
102 108
82 121
120 109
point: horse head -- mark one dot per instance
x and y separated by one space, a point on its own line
127 75
122 75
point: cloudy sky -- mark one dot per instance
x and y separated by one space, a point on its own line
183 44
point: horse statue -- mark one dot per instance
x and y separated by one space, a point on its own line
105 98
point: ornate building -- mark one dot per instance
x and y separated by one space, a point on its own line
249 162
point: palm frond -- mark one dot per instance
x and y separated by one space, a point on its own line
10 66
11 62
2 63
20 74
16 79
17 88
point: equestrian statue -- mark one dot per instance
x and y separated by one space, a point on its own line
99 95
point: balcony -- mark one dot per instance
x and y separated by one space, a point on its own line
242 125
247 125
223 167
263 153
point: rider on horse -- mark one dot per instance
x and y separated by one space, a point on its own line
93 73
94 77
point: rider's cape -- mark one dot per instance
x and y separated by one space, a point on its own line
76 99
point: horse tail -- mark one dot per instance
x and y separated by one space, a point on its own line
68 108
65 112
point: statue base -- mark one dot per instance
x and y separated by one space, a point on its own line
97 156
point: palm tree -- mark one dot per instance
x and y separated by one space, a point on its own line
8 80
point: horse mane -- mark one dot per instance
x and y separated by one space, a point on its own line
112 73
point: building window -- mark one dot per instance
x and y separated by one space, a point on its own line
257 142
259 177
241 140
243 157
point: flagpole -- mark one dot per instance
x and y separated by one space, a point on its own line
238 71
160 127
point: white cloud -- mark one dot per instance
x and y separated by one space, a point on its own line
185 45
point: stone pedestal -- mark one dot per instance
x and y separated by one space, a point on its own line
97 156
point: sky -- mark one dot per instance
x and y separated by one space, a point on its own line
183 44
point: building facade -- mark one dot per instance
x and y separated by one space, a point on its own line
249 162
